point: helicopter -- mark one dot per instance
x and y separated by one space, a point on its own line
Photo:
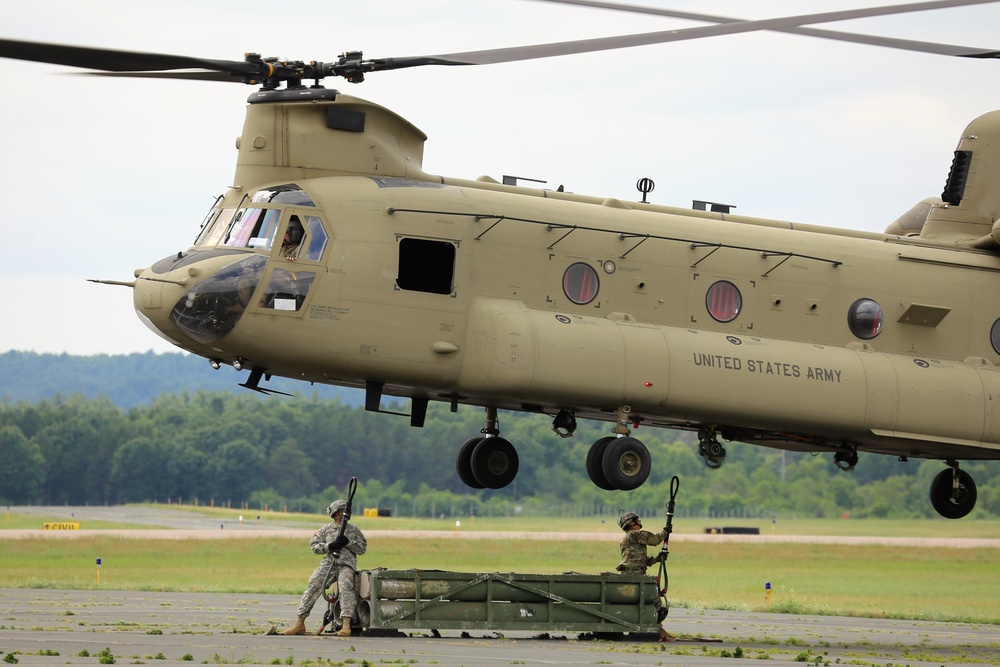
372 273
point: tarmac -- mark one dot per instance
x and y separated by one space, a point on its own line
73 627
61 627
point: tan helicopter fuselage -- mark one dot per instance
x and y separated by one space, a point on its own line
509 297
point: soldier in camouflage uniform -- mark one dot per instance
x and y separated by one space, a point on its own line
634 558
326 541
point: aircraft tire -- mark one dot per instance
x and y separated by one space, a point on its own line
494 462
463 463
946 506
595 463
626 463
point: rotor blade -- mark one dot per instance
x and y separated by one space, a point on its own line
190 75
511 54
111 60
872 40
352 66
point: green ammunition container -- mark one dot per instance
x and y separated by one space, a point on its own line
431 599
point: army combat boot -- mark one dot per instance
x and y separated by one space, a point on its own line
299 628
345 627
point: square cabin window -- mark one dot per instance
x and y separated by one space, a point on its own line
426 265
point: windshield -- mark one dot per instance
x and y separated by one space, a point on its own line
253 228
214 227
210 309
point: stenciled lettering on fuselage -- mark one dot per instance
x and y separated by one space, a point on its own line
765 367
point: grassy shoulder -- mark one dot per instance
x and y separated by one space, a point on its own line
205 516
15 521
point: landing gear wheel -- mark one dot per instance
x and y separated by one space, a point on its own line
595 463
463 463
626 463
952 503
494 462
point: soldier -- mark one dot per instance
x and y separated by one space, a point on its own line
328 541
634 558
293 237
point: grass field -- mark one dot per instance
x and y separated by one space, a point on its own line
870 581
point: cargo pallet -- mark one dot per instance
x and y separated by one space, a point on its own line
604 604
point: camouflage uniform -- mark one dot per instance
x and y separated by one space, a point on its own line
634 558
633 547
348 562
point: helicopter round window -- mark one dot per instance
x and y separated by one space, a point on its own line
581 283
995 336
724 301
865 319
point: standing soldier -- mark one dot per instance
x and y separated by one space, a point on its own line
634 558
342 551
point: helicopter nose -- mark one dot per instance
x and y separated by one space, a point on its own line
149 296
196 301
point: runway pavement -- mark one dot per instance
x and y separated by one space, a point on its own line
165 523
60 627
71 627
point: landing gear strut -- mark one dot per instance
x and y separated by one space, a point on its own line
953 492
487 461
710 449
846 460
564 423
619 462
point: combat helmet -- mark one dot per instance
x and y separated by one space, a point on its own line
335 506
624 520
295 231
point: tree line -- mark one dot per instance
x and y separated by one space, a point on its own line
129 380
240 448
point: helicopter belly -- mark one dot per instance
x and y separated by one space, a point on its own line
687 374
680 375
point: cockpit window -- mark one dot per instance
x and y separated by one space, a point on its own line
260 228
210 309
287 290
316 239
214 227
304 238
283 194
253 228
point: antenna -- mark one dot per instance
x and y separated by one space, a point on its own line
645 186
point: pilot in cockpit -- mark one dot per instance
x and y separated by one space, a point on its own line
293 237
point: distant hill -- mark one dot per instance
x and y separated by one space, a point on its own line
130 380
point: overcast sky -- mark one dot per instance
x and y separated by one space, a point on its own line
103 176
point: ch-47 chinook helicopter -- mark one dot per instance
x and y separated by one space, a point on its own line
374 274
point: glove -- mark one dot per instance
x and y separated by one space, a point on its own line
339 543
662 556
